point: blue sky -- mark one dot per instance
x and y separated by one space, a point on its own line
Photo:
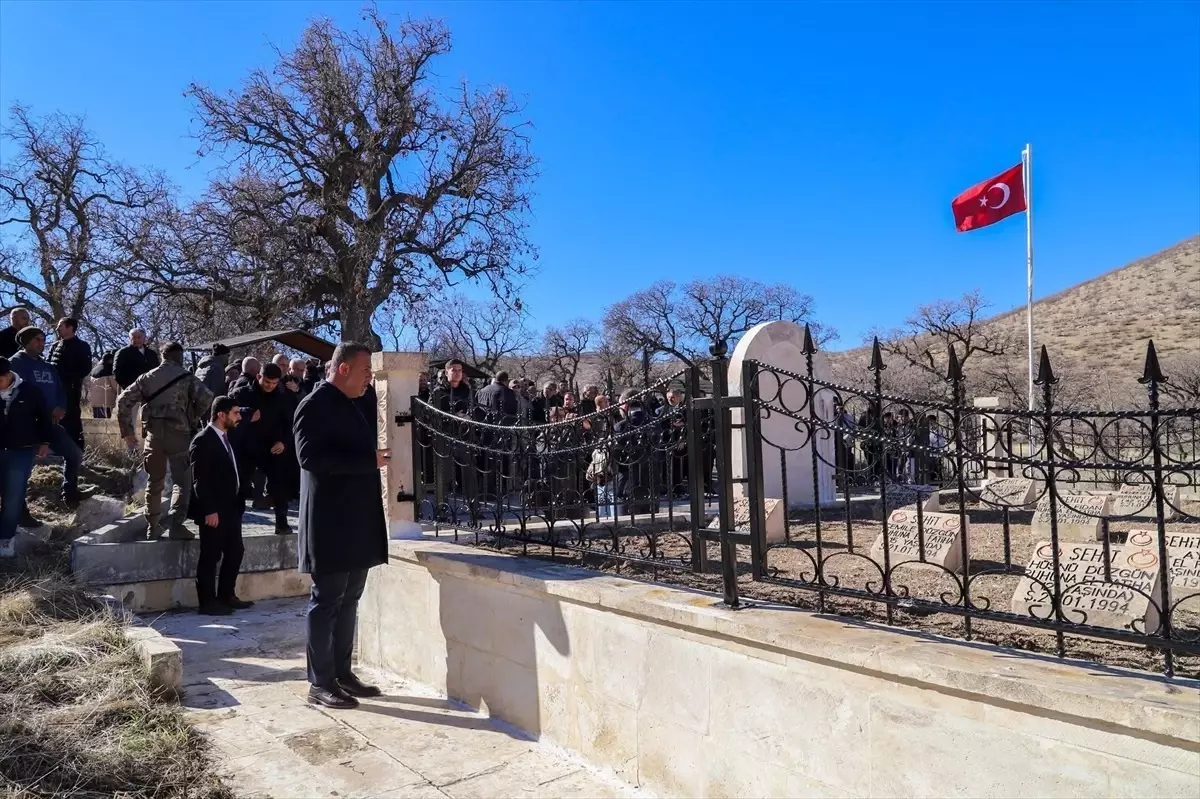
818 144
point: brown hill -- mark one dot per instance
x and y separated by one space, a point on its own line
1098 329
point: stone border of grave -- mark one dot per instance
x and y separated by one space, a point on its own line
650 680
161 658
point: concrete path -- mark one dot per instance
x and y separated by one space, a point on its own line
244 683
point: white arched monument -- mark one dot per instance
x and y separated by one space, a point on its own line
781 345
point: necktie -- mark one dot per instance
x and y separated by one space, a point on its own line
225 441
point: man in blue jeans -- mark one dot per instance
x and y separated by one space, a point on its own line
24 433
28 364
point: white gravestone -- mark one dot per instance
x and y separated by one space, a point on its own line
781 345
1086 597
1183 559
1080 515
772 509
1008 492
941 532
1137 502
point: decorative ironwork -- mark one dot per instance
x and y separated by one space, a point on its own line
654 486
623 483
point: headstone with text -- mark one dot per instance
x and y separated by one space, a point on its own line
772 510
1137 502
1080 515
1183 559
1123 602
1008 492
904 496
940 532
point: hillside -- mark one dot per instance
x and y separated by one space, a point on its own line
1099 328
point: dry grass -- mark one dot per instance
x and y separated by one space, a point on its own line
78 717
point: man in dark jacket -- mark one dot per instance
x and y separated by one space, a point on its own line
25 431
217 508
18 319
498 401
211 369
635 446
72 357
135 360
455 396
28 363
343 529
264 439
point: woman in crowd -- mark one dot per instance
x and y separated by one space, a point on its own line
103 388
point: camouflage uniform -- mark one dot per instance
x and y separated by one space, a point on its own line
169 421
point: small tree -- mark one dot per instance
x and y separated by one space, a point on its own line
928 334
479 333
565 347
682 322
72 216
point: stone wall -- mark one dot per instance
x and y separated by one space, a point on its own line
685 698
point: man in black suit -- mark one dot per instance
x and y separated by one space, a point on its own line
343 529
133 361
498 401
217 507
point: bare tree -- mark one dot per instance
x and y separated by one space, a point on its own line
62 203
402 189
927 335
682 322
1183 380
481 334
566 346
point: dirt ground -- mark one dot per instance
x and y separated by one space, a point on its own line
995 570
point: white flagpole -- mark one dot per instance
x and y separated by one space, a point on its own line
1027 175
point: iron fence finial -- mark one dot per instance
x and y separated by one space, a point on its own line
1152 372
718 349
954 369
877 365
1045 375
809 347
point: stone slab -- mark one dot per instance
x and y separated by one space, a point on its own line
160 656
1080 515
1129 602
775 517
1008 492
1137 502
128 528
941 533
155 596
166 559
1183 559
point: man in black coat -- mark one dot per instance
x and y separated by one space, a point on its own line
343 529
264 439
498 401
72 357
217 507
18 320
133 361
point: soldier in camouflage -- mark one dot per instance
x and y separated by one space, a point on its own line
173 402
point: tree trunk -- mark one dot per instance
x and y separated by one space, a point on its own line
355 313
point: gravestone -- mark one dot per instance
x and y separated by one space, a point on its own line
1086 598
907 496
1183 559
773 510
781 345
1008 492
1137 502
941 531
1080 515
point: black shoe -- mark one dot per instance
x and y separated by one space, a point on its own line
215 609
283 529
237 604
355 687
334 698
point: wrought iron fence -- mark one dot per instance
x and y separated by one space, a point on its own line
795 488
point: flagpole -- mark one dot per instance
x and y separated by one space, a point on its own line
1027 175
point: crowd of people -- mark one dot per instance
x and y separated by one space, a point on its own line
621 456
44 390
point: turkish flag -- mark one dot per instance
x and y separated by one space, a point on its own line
990 201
